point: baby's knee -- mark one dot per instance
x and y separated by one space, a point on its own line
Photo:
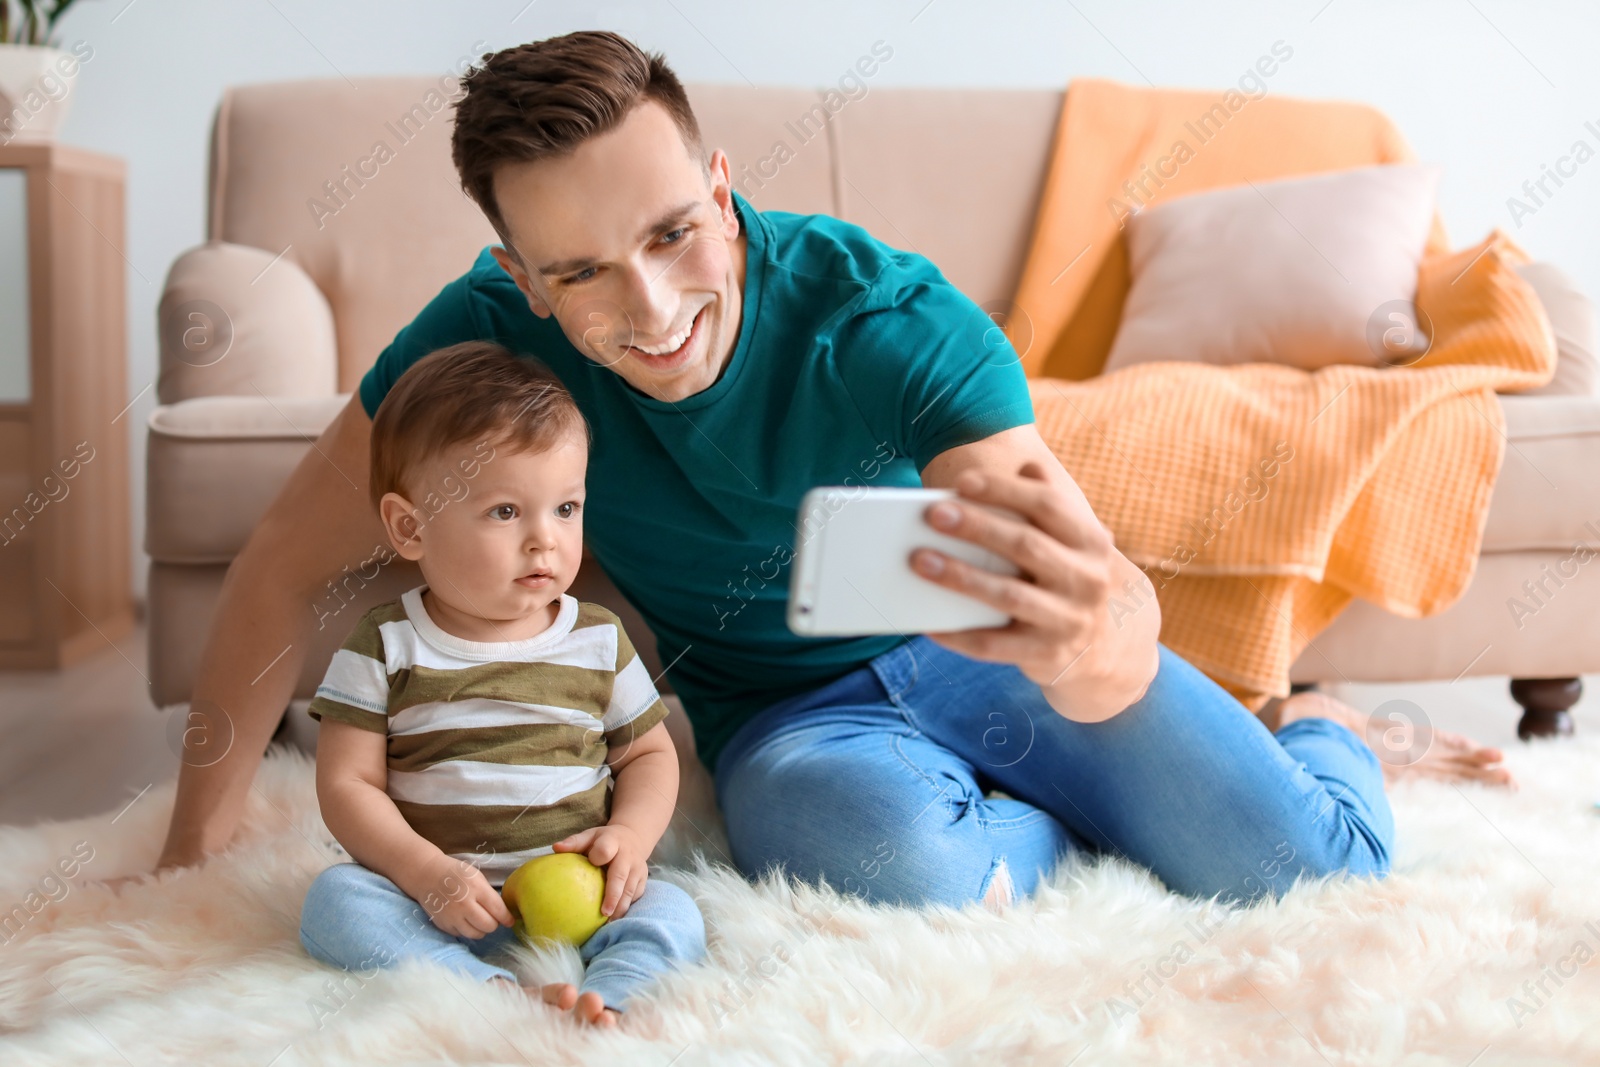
320 909
338 881
673 907
336 892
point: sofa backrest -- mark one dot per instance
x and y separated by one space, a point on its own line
353 182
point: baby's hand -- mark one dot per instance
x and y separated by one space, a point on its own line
619 850
460 900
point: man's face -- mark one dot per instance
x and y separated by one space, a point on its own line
635 249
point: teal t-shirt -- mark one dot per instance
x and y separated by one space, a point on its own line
856 364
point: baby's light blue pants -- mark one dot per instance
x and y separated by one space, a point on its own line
357 919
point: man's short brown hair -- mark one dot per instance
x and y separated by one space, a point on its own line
541 100
477 393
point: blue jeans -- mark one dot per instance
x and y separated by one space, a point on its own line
359 920
877 783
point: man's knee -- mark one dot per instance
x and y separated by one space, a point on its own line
862 831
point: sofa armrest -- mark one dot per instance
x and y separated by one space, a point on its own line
1572 319
236 320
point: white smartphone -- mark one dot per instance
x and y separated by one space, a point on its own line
852 569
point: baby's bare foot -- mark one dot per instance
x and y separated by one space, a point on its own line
588 1008
1438 754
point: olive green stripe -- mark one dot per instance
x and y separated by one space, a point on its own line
594 615
506 828
337 711
365 640
390 611
393 611
548 745
578 688
637 726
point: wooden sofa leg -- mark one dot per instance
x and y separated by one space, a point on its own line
1544 704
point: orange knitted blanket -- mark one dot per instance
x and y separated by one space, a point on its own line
1259 499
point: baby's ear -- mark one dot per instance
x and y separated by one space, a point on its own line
403 523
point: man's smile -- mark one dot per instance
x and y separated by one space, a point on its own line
675 350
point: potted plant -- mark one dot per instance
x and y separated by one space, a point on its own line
35 75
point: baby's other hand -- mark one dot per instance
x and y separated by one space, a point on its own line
460 900
622 853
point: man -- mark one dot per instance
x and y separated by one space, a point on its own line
728 360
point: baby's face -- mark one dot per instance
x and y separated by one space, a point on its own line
498 557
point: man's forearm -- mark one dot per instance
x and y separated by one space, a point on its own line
261 631
239 696
1088 652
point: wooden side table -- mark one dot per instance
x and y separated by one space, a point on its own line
65 571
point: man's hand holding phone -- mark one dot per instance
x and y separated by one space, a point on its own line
1062 634
1030 585
1057 601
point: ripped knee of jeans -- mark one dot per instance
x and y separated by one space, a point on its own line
998 891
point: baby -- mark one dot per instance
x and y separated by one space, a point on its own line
486 717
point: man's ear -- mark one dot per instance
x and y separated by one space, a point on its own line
512 266
721 176
403 524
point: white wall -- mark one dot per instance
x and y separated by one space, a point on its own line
1492 90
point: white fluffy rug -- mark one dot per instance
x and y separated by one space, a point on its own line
1480 949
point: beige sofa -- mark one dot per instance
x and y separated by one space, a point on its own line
321 247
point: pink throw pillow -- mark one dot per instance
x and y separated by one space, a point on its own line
1304 271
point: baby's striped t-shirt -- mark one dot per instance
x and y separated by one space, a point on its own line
496 750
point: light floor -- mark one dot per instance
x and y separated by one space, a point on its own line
87 739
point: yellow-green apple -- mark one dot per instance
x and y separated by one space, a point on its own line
556 898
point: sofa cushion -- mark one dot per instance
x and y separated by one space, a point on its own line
1287 272
975 221
1546 495
215 463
